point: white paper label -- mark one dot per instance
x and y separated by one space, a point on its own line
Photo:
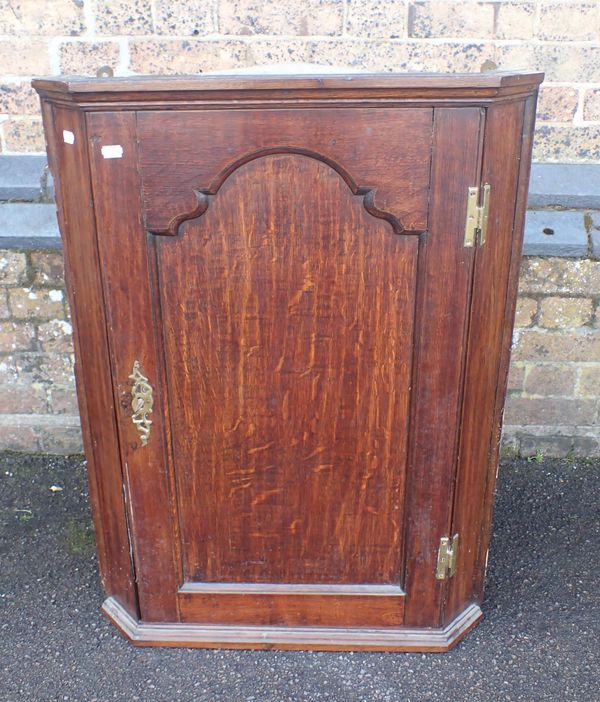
112 151
68 137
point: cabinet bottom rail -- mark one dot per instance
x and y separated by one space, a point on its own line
296 637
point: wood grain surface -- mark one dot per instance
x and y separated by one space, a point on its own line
504 126
149 92
125 265
361 638
288 316
523 157
71 169
387 150
444 294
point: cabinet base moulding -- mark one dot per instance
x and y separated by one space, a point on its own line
302 638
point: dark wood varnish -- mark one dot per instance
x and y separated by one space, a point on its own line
285 260
92 364
395 179
483 371
293 637
288 329
444 291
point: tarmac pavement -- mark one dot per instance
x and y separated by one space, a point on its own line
540 639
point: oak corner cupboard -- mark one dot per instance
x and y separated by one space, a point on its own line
293 300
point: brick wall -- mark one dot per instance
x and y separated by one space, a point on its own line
38 408
554 390
554 383
560 37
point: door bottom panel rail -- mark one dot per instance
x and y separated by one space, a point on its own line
293 604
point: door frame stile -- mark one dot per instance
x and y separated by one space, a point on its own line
422 603
496 261
152 244
169 449
131 224
451 528
113 377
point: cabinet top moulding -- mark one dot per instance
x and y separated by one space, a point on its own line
152 91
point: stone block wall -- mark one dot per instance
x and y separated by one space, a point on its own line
554 391
553 404
560 37
38 406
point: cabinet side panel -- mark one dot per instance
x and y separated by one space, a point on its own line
494 291
444 287
505 348
70 168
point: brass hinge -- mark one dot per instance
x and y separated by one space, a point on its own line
477 215
446 561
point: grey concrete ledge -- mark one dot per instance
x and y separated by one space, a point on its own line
572 231
28 225
558 233
24 177
573 186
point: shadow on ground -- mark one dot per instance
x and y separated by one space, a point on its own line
540 639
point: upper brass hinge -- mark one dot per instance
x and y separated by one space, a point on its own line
446 561
477 215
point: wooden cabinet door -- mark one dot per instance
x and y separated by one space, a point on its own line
294 287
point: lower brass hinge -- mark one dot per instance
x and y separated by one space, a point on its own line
446 561
477 215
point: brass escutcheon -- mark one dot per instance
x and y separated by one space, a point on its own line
142 402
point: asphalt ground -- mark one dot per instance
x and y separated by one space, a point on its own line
540 639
